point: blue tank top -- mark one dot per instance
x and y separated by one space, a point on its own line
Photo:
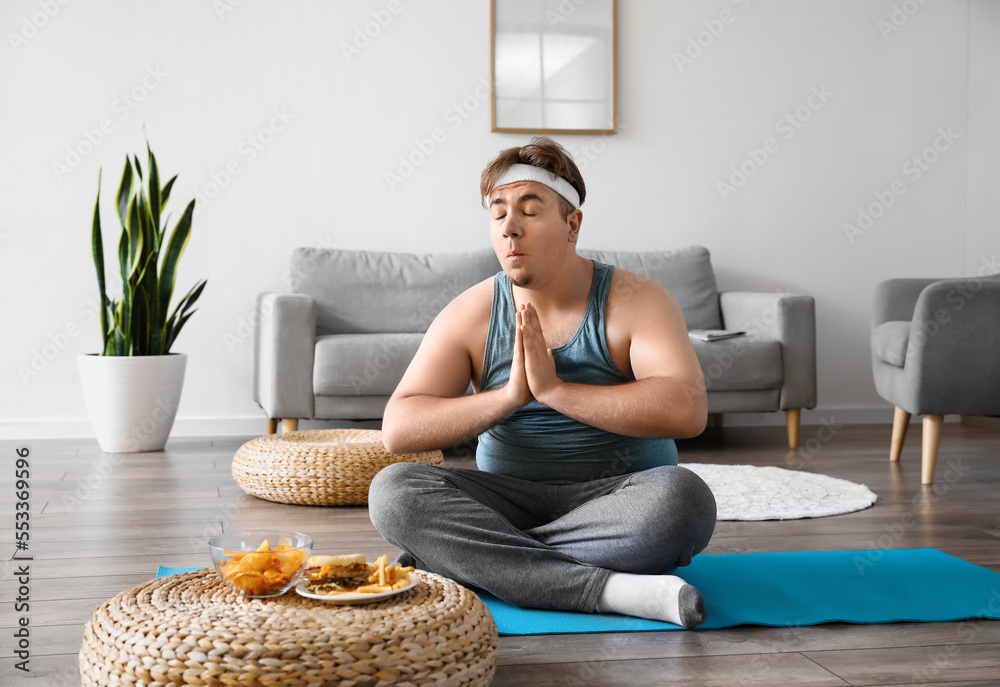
540 444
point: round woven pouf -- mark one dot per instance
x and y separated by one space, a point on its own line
191 629
320 467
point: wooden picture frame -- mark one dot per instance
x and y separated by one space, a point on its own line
554 66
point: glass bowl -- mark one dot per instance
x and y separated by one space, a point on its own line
260 563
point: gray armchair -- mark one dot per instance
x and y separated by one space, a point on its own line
935 351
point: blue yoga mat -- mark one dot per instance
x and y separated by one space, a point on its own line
794 589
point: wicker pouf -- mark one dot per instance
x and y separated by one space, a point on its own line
322 467
191 629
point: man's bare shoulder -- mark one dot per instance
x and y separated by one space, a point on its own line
468 312
472 300
634 293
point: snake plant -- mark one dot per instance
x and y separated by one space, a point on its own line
137 323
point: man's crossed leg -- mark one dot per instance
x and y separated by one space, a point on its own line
604 545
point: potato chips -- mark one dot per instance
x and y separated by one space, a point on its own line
264 571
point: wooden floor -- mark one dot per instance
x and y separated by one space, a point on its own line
98 527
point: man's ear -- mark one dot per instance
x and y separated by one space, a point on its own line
574 219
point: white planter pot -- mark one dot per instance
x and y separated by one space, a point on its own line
132 400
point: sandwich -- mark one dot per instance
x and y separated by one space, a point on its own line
330 574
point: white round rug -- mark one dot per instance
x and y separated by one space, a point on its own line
748 492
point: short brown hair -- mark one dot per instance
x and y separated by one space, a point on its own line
541 152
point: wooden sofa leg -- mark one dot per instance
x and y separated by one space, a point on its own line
900 423
792 419
717 420
290 425
272 425
931 441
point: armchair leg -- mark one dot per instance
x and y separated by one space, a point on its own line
792 419
717 420
272 425
290 425
931 441
900 423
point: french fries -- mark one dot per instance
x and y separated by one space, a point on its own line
264 571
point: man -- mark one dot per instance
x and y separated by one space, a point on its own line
583 375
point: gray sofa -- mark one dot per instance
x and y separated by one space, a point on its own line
336 346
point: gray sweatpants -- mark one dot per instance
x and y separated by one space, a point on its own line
538 544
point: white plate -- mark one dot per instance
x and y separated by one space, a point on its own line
355 598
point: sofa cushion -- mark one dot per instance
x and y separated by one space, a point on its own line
374 292
739 364
686 274
362 364
889 341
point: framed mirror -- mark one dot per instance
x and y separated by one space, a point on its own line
554 66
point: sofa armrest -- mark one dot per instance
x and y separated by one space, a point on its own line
952 346
789 319
284 345
895 299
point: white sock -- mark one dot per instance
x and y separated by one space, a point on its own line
657 597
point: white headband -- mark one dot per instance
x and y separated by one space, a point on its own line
522 172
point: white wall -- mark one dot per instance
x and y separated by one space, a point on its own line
983 236
209 80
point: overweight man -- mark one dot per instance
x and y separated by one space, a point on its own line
583 377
